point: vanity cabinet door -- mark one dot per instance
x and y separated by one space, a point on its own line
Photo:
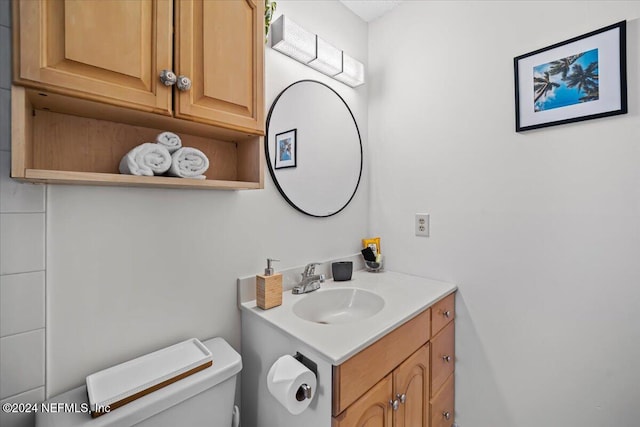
106 51
373 409
220 47
411 388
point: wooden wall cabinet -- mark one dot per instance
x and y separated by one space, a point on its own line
101 60
114 51
405 379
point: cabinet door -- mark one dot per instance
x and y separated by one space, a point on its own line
220 47
373 409
105 50
411 384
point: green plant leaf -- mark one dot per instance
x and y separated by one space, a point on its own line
269 8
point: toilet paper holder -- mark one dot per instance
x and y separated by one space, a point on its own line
304 391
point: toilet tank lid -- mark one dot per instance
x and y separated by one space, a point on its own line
226 364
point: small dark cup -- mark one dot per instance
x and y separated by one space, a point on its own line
342 270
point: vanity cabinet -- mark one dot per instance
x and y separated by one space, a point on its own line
401 358
101 61
398 400
403 379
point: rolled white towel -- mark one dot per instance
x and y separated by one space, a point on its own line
170 140
189 162
146 159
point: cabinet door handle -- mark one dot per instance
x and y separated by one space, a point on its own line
168 77
401 397
183 83
446 415
446 314
446 358
394 404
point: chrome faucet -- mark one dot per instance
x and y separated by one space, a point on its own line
310 281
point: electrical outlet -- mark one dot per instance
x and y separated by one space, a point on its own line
422 224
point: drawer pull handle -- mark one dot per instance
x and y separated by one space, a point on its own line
446 358
446 314
168 77
401 397
446 415
183 83
394 404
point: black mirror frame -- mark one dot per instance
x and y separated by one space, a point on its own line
268 160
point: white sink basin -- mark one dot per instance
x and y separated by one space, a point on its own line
332 306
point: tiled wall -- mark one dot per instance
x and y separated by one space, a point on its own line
22 264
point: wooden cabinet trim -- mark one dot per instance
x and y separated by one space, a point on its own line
21 126
359 373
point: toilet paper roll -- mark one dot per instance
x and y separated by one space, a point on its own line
286 381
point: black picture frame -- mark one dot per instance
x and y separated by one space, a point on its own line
286 149
579 79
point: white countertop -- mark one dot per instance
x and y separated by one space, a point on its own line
404 295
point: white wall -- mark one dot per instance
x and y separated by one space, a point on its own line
22 264
541 230
131 270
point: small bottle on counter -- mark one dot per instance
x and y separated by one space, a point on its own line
269 287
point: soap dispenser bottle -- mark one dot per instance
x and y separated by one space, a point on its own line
269 287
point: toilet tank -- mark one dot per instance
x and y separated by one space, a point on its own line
202 399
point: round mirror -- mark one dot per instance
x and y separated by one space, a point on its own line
313 148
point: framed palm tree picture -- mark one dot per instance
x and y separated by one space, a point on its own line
579 79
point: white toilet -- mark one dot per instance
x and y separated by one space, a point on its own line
204 399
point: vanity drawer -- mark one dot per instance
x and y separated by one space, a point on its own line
442 357
443 312
361 372
442 405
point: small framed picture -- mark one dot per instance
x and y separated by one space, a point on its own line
579 79
286 149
